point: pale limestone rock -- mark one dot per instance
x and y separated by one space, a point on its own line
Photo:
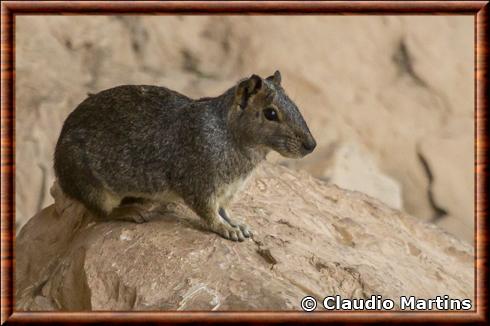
452 175
351 167
311 239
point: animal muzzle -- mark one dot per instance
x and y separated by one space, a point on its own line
308 145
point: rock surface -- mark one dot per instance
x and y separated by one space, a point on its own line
455 207
311 239
350 166
382 81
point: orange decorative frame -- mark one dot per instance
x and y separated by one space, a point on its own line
10 9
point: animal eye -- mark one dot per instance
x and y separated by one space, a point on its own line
271 114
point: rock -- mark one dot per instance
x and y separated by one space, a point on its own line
311 239
452 174
350 166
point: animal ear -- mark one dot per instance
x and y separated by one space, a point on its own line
248 88
276 78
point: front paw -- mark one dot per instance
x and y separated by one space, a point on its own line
234 233
245 229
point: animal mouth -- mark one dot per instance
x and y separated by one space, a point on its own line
290 147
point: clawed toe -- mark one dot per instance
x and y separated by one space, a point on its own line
235 235
138 219
247 233
240 232
141 218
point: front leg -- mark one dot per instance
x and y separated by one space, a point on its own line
208 211
247 233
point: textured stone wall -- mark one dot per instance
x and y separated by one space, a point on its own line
400 88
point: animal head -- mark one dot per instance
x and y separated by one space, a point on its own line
265 116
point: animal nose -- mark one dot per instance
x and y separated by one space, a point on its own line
309 144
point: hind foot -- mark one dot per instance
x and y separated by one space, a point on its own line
132 213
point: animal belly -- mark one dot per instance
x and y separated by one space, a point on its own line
160 197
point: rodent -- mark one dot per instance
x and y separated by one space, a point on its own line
126 148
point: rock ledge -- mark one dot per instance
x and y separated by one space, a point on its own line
311 239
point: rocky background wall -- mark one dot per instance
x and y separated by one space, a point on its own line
389 99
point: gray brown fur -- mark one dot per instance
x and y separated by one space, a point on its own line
127 147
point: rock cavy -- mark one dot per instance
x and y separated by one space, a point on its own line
126 148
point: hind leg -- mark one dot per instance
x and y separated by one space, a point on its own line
98 201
